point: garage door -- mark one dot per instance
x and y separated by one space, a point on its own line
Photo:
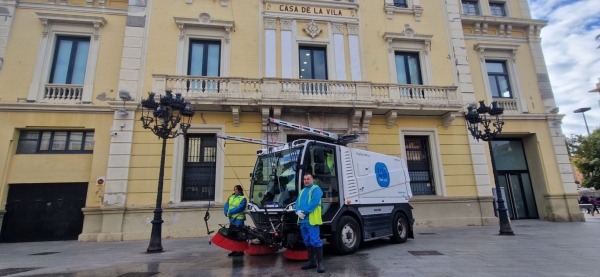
43 212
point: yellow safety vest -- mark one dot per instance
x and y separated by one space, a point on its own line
329 160
234 202
314 218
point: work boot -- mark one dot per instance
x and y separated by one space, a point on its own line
231 254
319 252
237 254
311 259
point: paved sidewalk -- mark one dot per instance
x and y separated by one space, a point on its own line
539 248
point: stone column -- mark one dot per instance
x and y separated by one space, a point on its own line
354 48
339 51
270 47
287 65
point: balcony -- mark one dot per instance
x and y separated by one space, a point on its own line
62 93
510 105
209 92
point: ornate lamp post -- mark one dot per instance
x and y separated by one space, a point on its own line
481 129
168 118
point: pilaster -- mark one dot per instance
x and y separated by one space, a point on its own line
6 19
458 49
115 192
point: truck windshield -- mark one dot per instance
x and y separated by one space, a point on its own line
273 182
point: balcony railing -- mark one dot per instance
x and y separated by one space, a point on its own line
323 91
510 105
63 92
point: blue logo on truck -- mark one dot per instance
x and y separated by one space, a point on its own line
383 175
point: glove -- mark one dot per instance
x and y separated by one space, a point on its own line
300 214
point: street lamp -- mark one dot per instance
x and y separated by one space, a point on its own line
168 118
582 111
481 129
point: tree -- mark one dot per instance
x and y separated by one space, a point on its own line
585 153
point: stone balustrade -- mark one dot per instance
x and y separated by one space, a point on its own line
63 92
321 91
510 105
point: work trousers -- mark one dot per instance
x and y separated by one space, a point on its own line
310 235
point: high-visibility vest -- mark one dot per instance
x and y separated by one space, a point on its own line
329 160
314 218
234 202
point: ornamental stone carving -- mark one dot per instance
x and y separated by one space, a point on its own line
286 24
338 28
352 29
270 23
204 18
312 29
408 31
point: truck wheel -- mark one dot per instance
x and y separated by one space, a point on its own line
399 228
347 237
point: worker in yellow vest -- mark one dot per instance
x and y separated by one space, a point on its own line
308 209
234 210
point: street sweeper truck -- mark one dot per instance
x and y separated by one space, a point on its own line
365 195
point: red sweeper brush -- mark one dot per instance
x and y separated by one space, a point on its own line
229 244
260 249
298 255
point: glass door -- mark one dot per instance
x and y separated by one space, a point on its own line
513 176
521 200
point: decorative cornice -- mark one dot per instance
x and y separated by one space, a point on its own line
482 47
493 39
496 20
54 108
391 9
408 35
71 8
204 20
72 19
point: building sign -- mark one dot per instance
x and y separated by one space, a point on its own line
307 10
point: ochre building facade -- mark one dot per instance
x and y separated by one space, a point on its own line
77 164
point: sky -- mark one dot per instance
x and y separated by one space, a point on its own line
573 60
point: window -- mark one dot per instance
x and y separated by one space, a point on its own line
204 58
400 3
418 160
65 142
313 63
65 66
320 160
498 78
199 169
70 60
497 9
408 68
470 7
